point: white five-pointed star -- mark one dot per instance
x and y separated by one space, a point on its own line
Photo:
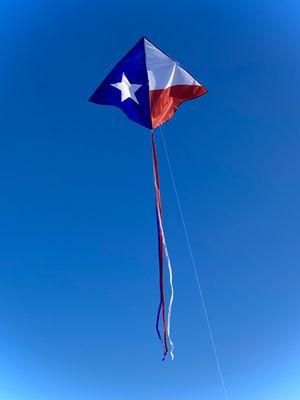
127 89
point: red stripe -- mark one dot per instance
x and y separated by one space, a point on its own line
164 102
160 245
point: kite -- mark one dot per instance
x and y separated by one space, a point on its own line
149 86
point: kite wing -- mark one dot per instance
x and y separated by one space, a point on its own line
147 85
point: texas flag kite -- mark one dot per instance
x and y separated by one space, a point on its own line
147 85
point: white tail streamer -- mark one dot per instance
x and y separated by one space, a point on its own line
171 285
171 300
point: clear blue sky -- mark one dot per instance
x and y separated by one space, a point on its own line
78 252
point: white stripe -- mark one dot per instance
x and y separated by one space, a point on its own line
163 71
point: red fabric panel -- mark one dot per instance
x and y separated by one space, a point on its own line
164 102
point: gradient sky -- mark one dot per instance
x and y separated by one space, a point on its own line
78 251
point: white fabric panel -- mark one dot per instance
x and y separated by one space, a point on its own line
164 72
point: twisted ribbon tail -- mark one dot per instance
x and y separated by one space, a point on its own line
162 249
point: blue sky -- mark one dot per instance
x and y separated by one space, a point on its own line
78 252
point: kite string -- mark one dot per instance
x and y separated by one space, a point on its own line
195 270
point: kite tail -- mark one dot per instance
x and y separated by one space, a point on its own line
170 302
162 249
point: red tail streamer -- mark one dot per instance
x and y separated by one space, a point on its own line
161 310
